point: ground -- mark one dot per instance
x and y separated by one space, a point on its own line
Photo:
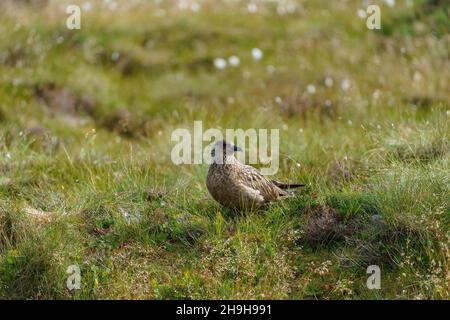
86 177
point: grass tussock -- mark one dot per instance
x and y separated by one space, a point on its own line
86 179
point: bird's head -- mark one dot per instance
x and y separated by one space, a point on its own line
222 149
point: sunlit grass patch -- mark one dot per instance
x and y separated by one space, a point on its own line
86 177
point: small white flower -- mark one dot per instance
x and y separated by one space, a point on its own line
195 7
286 6
345 84
329 82
115 56
417 76
278 100
257 54
376 94
87 6
390 3
362 14
270 69
112 5
183 5
311 89
252 8
220 63
234 61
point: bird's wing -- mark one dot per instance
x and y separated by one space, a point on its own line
252 178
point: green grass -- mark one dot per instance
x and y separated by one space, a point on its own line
85 139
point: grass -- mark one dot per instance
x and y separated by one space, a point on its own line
86 177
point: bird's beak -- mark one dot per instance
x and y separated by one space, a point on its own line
236 148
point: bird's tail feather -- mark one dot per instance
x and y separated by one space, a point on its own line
287 186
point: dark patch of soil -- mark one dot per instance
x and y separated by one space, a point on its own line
323 226
64 101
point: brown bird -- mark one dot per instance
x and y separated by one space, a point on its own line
239 186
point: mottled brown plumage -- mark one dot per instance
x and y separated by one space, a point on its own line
239 186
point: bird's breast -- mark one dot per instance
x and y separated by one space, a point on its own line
219 183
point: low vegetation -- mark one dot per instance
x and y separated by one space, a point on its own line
86 178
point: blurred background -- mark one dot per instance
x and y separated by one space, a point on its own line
86 118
